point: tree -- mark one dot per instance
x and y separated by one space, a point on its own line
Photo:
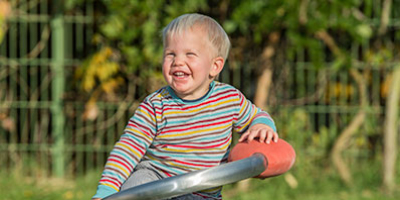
390 133
266 35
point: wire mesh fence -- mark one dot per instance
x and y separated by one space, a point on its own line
45 130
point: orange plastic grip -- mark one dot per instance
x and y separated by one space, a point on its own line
280 156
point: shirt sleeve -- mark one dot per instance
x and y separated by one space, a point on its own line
248 115
129 150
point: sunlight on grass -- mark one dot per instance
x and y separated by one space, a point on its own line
313 184
14 187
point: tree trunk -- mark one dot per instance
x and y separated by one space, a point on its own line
344 137
390 133
386 7
263 86
342 142
265 80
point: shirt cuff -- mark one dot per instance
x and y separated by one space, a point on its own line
104 191
261 120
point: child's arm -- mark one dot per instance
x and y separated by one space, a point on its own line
253 123
128 151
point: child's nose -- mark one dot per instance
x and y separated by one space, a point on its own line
178 61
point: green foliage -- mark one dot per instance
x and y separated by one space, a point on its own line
296 125
323 34
134 28
127 50
100 72
5 12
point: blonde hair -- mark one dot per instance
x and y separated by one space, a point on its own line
216 34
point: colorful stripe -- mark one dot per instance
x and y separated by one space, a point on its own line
178 137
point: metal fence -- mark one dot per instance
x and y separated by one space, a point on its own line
43 133
37 56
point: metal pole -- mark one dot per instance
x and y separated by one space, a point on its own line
57 26
197 180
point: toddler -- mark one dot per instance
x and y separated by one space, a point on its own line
187 125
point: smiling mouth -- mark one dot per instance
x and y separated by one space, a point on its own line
180 74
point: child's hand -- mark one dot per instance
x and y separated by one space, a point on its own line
263 132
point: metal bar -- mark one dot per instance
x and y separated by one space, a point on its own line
196 181
247 81
25 147
23 86
110 135
45 114
34 129
79 140
97 138
13 114
68 46
44 18
26 104
79 38
301 76
57 26
24 117
86 137
46 103
26 62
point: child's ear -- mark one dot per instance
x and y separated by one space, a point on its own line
217 66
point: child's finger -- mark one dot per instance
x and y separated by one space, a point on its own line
244 136
276 136
251 136
269 136
262 135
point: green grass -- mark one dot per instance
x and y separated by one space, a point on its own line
312 184
278 189
15 187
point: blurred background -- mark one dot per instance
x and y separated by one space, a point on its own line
72 73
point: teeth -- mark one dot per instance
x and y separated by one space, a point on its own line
179 74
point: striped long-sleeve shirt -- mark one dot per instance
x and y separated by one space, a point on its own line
177 136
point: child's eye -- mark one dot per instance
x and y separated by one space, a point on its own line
169 54
190 54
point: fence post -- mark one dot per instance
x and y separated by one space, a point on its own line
57 88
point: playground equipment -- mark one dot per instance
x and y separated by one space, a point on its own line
246 160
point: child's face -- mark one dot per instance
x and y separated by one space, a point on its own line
190 63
